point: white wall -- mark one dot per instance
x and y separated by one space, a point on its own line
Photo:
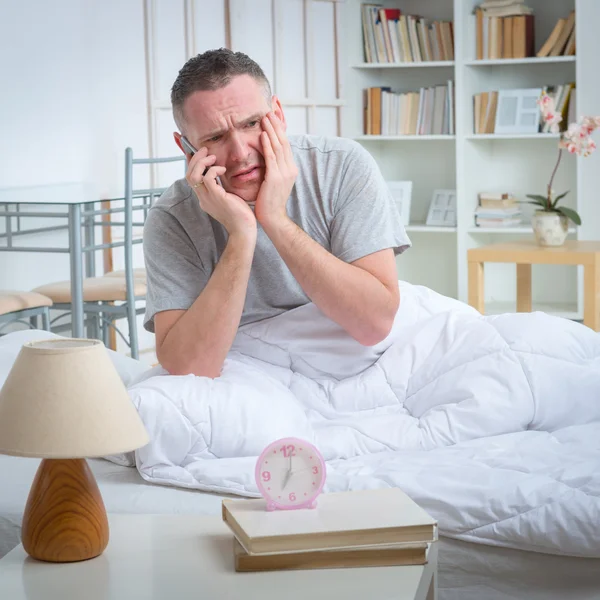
73 90
75 94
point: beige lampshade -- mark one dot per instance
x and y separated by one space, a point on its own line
63 398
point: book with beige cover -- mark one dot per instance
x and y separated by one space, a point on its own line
341 520
377 556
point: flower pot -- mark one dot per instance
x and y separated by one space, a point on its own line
550 228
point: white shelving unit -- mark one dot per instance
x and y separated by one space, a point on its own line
519 61
404 138
512 136
473 163
419 65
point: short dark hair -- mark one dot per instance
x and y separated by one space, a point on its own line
213 70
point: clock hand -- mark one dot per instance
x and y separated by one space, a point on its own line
287 474
301 470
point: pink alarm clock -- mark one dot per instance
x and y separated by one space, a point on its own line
290 474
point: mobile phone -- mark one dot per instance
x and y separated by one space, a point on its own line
187 146
191 150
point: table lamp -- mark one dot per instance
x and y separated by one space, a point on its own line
63 401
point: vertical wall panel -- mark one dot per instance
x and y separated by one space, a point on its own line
209 25
45 61
169 45
169 172
165 126
322 47
296 119
252 32
289 52
325 121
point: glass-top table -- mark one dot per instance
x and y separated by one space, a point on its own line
75 202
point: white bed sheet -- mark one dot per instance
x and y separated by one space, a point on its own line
469 571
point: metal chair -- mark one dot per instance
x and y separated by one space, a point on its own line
114 295
15 306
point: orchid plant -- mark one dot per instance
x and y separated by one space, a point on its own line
575 140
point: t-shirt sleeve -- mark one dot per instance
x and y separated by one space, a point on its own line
174 272
366 219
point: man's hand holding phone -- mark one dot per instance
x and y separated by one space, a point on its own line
230 210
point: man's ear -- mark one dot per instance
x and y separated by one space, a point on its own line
278 110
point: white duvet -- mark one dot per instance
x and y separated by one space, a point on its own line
492 424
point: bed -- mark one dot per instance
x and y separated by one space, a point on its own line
467 571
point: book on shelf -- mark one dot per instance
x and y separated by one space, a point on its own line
484 112
561 41
359 519
490 223
504 31
429 111
487 106
390 36
497 209
497 200
572 108
503 8
381 556
564 103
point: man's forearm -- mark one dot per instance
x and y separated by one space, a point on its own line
350 296
199 341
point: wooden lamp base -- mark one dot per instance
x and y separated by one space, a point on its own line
65 518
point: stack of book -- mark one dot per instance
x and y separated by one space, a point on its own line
561 41
347 529
392 37
504 29
430 111
486 107
497 210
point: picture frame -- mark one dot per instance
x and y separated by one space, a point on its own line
518 111
442 209
402 193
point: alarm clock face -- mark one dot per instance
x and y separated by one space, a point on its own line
290 473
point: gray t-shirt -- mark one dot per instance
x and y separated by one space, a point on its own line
339 199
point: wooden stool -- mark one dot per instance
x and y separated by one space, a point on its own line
525 254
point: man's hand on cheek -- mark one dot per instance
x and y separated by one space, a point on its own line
280 173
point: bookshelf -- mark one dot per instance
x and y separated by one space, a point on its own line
471 163
420 65
403 138
511 62
514 136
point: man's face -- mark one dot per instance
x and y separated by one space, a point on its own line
227 122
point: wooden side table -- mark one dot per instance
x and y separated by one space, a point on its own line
525 254
190 557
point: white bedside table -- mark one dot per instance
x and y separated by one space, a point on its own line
175 557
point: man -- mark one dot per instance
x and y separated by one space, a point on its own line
262 223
